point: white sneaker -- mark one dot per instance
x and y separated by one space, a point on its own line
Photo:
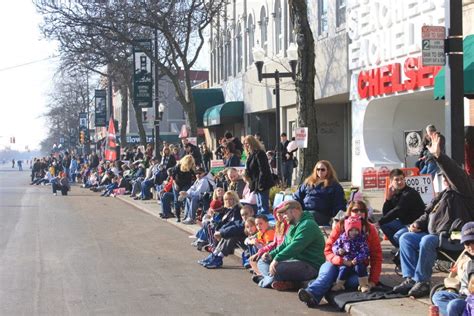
55 194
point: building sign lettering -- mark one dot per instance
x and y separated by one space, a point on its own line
388 79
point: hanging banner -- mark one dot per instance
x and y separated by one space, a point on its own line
111 143
413 143
142 75
301 137
100 108
83 119
83 123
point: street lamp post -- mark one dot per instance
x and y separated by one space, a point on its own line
258 56
158 116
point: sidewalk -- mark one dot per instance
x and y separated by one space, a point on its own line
381 307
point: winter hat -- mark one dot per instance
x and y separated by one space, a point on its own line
352 222
216 204
467 232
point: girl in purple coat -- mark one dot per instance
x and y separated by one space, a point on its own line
352 246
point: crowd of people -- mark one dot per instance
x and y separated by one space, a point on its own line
284 245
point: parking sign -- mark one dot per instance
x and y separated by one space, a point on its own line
432 45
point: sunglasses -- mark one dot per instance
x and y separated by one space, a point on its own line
320 169
358 210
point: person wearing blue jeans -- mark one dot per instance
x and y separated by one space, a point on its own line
146 188
447 212
394 230
167 199
286 160
403 205
418 253
329 271
257 169
299 256
451 303
263 202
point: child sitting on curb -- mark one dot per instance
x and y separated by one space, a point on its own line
352 246
210 220
264 236
281 227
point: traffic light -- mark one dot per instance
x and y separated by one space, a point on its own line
82 136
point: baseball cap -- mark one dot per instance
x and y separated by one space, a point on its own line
200 170
216 204
467 232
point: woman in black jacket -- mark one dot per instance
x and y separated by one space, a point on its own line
258 170
183 177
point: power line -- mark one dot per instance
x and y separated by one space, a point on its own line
28 63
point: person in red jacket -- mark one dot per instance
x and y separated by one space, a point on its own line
167 196
328 272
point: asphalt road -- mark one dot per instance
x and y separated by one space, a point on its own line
83 254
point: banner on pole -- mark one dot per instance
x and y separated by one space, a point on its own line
301 137
142 74
111 143
100 108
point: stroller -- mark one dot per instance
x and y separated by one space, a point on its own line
452 282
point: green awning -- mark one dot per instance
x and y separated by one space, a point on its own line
204 99
468 61
226 113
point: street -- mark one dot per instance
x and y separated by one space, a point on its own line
85 254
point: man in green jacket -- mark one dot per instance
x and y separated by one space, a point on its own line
300 255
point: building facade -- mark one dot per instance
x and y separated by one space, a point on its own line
391 91
250 23
370 85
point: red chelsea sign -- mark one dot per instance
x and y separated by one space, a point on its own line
388 79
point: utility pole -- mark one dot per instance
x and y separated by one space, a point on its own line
454 84
156 123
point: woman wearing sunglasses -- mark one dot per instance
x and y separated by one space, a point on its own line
321 193
328 272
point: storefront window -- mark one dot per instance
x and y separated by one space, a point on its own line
239 49
340 12
263 29
323 16
251 33
278 28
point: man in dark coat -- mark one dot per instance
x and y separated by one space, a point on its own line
448 212
401 208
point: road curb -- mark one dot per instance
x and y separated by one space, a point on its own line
402 306
191 229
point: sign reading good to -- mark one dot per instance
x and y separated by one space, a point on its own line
424 185
301 137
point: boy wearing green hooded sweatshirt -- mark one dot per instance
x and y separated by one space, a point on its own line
300 255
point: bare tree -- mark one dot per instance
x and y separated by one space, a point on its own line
306 107
68 99
84 46
179 24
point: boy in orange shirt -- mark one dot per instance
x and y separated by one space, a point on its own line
264 234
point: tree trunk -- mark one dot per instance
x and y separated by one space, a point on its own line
306 107
123 126
139 118
189 107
